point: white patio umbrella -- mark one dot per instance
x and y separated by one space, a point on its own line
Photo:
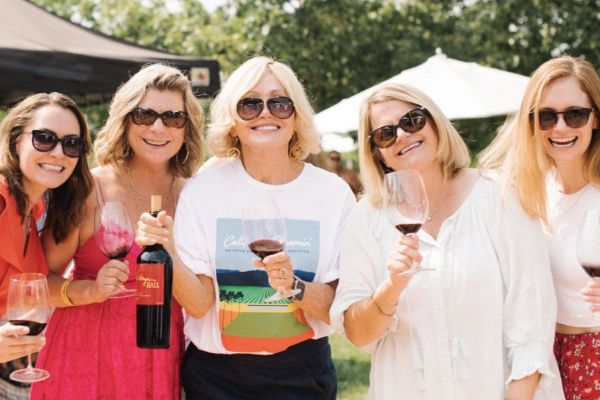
461 89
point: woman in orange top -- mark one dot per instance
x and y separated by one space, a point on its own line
43 143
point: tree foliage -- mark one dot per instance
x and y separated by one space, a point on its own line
341 47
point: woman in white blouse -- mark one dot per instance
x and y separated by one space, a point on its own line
558 180
480 326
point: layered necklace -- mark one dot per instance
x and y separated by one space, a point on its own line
168 196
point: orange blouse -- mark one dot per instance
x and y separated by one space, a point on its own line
12 243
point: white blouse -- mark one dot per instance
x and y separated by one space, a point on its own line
484 317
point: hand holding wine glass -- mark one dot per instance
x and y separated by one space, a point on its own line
405 205
114 235
28 305
588 253
264 229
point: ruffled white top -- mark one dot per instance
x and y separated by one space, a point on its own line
484 317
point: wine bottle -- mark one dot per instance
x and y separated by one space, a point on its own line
154 282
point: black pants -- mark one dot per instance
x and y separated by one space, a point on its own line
304 372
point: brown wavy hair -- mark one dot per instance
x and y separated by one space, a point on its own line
66 203
111 146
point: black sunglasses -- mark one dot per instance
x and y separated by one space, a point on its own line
147 116
411 122
281 107
45 140
575 117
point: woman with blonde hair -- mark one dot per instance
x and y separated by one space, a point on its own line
241 346
150 144
43 143
479 326
551 153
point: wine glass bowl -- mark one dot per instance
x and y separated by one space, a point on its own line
588 248
405 204
264 230
114 235
28 305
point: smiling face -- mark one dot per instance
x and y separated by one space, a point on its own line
265 132
157 143
46 170
411 150
561 142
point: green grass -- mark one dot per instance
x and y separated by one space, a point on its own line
352 367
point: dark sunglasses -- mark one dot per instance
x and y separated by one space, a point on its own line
147 116
411 122
575 117
45 140
281 107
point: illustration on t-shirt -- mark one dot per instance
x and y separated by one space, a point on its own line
248 324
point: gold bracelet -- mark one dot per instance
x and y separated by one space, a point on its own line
381 310
63 293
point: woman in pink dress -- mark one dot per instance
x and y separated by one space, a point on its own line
150 144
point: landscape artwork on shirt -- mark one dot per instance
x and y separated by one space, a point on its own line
247 322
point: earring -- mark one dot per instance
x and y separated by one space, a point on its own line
187 154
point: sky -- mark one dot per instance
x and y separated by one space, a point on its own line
209 5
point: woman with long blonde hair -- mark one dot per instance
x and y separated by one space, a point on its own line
550 152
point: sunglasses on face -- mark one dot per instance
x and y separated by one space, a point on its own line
574 117
411 122
45 140
281 107
147 116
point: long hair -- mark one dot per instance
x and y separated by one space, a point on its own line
452 152
111 146
517 151
66 203
224 109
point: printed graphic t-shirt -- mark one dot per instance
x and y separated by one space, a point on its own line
210 241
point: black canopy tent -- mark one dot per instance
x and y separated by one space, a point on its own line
41 52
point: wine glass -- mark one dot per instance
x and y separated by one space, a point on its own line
114 235
588 249
28 305
264 230
405 205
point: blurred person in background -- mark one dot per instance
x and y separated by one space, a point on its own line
334 163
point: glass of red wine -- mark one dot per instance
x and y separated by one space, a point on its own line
405 205
28 305
588 249
264 230
114 235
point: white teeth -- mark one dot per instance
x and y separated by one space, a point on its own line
266 128
156 142
409 148
563 142
52 167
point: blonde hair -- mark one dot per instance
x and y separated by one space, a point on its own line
224 109
111 146
452 152
517 151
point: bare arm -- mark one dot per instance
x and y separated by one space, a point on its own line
523 389
195 293
366 321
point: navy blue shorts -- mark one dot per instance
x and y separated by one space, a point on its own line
303 372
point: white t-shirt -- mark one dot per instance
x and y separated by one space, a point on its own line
565 214
209 240
485 316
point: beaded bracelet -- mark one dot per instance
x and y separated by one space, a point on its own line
63 293
381 310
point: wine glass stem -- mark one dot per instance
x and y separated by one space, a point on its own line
29 361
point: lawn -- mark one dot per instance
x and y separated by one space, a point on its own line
352 369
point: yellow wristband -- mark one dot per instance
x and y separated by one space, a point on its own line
63 293
381 310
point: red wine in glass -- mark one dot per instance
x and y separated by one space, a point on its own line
588 249
592 270
265 247
405 204
114 235
28 305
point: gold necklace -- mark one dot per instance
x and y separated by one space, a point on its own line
437 201
138 198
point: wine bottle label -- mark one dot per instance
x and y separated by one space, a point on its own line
150 284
